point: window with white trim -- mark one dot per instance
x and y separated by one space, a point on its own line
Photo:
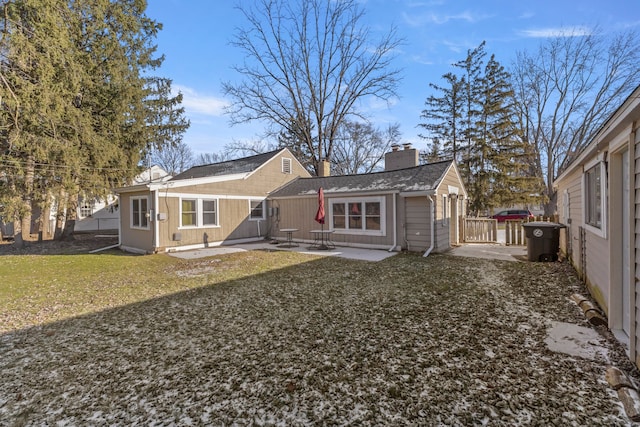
189 212
86 208
209 212
594 198
257 210
198 213
286 165
358 215
140 212
566 205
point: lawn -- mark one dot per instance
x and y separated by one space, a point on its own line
282 338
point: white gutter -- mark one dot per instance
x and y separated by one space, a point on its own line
433 219
395 224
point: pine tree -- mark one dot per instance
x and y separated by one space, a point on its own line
443 117
79 106
472 67
483 131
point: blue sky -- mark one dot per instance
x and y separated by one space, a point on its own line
198 57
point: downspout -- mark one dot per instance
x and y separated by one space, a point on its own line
156 228
395 224
432 222
119 221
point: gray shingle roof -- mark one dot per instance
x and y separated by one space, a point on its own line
419 178
243 165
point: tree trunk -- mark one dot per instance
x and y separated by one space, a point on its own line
60 215
70 220
18 242
28 198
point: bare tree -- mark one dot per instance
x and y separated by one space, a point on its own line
309 65
360 147
566 90
173 158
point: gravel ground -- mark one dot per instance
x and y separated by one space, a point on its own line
407 341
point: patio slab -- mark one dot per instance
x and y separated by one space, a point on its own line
491 251
361 254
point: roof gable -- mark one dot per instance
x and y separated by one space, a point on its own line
243 165
415 179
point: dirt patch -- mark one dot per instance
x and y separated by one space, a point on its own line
81 243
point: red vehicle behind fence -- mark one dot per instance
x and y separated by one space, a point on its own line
502 216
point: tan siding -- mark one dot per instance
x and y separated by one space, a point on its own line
131 237
417 224
300 213
233 220
233 206
443 227
570 241
268 178
598 268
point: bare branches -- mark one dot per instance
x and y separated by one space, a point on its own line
568 88
308 65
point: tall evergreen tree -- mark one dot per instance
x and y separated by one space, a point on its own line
443 117
472 67
499 157
481 127
79 108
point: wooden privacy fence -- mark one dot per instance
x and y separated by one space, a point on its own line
514 230
479 230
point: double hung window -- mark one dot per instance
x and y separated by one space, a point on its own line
140 212
594 198
257 210
358 216
198 212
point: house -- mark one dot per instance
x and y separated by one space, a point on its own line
406 206
599 201
215 204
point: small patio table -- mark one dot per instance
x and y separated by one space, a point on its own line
289 243
322 240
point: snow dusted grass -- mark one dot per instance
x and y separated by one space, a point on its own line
278 338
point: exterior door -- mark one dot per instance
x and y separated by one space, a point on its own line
417 223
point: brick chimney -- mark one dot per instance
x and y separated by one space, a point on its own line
324 169
401 159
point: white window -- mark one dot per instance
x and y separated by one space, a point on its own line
86 208
257 210
566 205
198 213
189 213
594 198
286 165
210 212
358 216
140 212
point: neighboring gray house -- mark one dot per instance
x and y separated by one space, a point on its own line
407 206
